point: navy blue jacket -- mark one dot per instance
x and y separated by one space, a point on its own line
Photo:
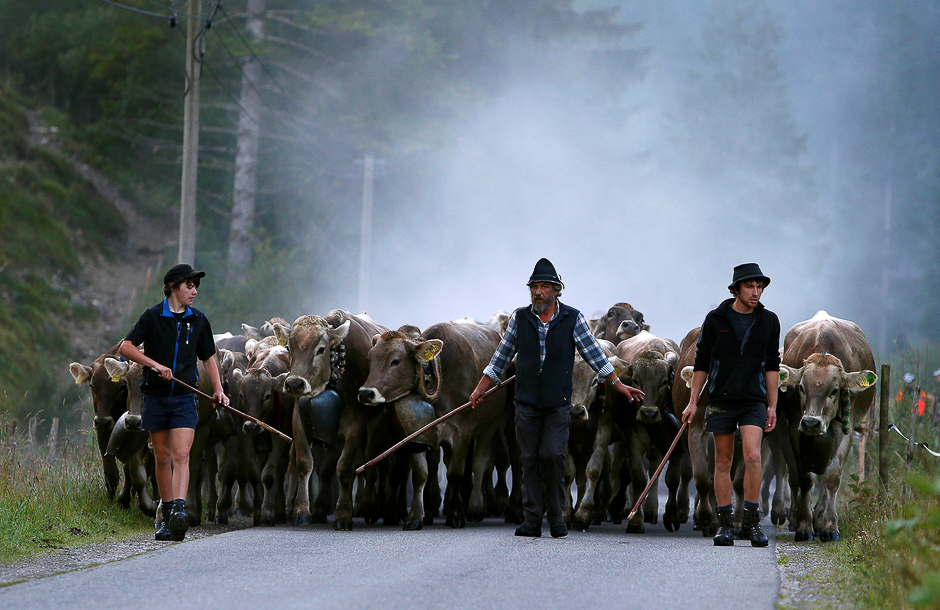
172 343
736 366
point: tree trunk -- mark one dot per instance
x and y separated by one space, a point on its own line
245 190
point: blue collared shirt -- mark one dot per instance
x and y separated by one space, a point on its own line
585 342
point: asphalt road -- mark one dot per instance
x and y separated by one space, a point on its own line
480 567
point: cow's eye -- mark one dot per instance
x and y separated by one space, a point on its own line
395 362
267 396
320 350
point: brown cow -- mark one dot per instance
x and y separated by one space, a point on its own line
128 442
589 435
648 363
259 396
620 322
110 401
456 354
334 347
827 386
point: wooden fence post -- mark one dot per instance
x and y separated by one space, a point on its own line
33 433
53 440
883 417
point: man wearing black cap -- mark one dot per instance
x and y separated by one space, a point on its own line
174 335
543 337
738 354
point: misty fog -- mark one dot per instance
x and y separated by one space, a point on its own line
651 192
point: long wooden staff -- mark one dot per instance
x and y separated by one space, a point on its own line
655 476
437 421
235 411
675 442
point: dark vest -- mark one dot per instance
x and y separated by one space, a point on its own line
550 385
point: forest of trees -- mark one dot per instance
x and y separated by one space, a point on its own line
296 94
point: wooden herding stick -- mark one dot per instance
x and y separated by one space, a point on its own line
236 411
437 421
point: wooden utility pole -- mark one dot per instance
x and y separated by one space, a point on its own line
883 417
365 241
187 246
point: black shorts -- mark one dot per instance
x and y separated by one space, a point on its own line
725 418
169 412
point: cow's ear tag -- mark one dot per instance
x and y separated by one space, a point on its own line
432 351
869 380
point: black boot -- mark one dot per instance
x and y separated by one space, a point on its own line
529 530
725 535
751 525
557 526
163 532
178 520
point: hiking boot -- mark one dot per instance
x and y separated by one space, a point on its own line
529 530
178 520
751 526
725 535
558 527
163 531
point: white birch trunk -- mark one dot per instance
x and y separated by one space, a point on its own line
245 189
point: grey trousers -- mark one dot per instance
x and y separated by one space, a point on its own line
542 435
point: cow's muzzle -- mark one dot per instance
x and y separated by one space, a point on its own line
104 423
370 396
627 329
812 425
250 427
648 415
579 413
132 422
296 386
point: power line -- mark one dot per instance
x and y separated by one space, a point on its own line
169 18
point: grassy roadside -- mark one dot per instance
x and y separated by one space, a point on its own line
889 555
47 505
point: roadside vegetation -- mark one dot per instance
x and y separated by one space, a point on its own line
890 548
55 503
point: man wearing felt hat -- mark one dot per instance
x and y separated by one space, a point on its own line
543 337
174 335
738 354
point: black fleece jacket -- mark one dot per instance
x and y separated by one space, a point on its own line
736 366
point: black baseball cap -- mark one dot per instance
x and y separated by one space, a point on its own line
181 272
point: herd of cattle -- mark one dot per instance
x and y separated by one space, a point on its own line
346 388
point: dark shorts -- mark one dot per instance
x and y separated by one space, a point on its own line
169 412
725 418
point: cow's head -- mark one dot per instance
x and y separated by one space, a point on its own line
131 375
621 322
256 394
821 381
653 372
109 396
396 364
584 385
310 341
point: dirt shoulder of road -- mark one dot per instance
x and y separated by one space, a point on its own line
809 576
78 557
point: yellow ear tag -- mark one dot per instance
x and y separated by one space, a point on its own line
115 378
870 379
432 351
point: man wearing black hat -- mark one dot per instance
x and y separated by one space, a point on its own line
738 354
543 337
174 335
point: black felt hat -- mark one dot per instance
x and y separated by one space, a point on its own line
181 272
545 272
747 271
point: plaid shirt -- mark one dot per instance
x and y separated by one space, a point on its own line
583 339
